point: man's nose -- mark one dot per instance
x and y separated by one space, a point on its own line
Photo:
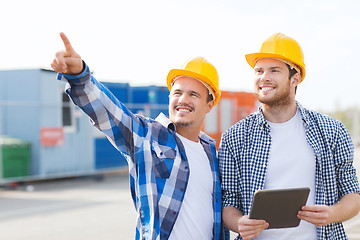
264 76
184 98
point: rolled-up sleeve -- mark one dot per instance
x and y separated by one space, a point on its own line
343 156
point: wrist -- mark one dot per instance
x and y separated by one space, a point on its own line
78 75
78 79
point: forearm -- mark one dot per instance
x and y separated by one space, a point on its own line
96 100
237 222
321 215
230 217
103 108
346 208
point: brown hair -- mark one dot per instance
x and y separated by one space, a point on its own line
292 72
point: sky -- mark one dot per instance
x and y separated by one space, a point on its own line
139 41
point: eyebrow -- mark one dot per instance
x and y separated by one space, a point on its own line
195 92
276 67
190 91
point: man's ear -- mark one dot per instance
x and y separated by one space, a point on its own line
296 79
211 105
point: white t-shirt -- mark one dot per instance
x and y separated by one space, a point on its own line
291 164
196 216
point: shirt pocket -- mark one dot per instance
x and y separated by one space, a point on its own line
163 159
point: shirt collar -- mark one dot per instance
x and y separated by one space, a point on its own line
261 121
166 122
304 114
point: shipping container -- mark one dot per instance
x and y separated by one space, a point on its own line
232 107
149 101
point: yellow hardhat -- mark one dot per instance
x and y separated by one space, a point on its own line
200 69
282 47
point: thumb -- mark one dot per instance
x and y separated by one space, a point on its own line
74 65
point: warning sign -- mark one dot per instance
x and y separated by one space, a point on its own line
52 136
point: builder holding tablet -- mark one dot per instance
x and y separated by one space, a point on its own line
284 145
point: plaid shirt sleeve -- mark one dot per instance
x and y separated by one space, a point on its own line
124 129
336 175
243 153
342 154
229 175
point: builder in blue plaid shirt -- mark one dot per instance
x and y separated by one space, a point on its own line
174 173
284 145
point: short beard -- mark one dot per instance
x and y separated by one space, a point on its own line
275 102
182 124
279 100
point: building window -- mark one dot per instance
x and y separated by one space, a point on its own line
68 118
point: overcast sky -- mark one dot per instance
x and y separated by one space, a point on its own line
140 41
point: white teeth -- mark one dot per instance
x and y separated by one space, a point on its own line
266 88
183 110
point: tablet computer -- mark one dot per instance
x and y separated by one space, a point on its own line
279 207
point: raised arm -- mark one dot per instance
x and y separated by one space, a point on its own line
107 113
67 61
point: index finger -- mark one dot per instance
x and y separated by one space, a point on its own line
249 221
66 42
313 208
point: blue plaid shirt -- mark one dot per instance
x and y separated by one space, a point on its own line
244 154
158 166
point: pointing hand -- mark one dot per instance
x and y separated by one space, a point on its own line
67 61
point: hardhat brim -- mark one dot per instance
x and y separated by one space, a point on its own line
252 58
180 72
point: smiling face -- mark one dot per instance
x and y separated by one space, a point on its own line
188 104
272 84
